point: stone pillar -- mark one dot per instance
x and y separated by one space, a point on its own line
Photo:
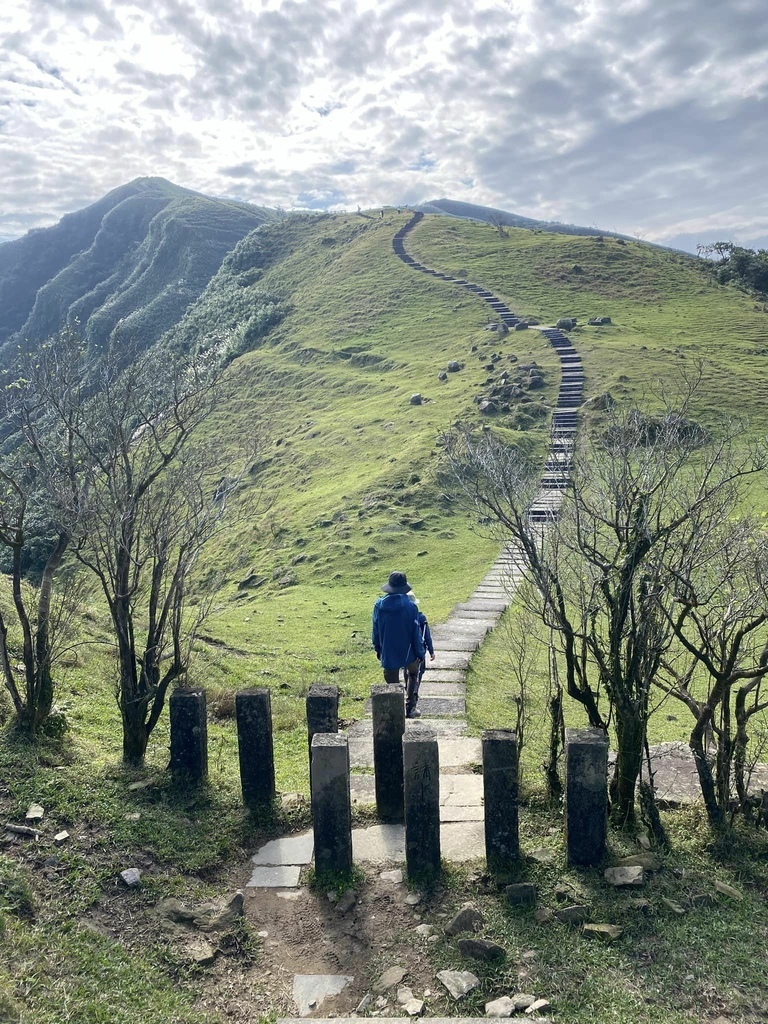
388 711
331 804
253 712
189 734
421 791
500 797
586 795
322 714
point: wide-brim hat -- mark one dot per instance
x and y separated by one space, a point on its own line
396 584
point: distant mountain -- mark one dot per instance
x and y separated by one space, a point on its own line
470 211
133 261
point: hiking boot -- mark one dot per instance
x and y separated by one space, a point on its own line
413 713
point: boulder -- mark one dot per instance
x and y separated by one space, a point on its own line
577 914
442 375
416 399
453 366
458 983
521 894
488 408
522 326
565 324
624 876
467 920
482 949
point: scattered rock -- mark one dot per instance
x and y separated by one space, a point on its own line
413 899
467 920
503 1007
395 876
442 375
131 877
646 861
672 906
251 581
458 983
621 877
640 904
199 952
416 399
577 914
482 949
701 899
453 366
219 916
523 1001
35 812
644 842
364 1003
424 930
522 326
346 902
565 324
728 890
61 837
543 915
412 1006
391 977
605 932
542 855
521 894
488 408
540 1004
141 784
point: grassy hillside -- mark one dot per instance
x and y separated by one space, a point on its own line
136 259
347 488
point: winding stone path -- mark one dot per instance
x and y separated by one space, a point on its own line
443 690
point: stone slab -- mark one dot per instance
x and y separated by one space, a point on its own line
467 612
443 675
446 643
284 876
287 850
435 704
363 729
461 790
448 659
385 844
460 752
362 790
315 988
482 605
449 813
430 689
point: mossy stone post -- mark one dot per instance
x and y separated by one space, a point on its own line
253 711
322 714
586 795
331 804
500 797
421 791
189 735
388 713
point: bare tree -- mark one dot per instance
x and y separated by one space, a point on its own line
719 576
600 566
157 496
41 488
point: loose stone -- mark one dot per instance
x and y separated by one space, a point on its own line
412 899
391 977
646 861
620 877
467 920
458 983
131 877
61 837
673 906
395 876
606 932
577 914
481 949
35 812
728 890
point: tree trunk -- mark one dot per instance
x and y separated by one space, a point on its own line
554 784
630 734
706 779
134 733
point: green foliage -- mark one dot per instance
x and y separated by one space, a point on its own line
747 268
127 267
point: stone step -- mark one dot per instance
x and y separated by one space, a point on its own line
449 643
442 675
434 704
482 605
454 751
429 689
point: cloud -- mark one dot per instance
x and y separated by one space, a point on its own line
641 115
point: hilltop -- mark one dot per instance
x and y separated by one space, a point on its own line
134 260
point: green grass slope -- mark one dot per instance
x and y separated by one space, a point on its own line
136 259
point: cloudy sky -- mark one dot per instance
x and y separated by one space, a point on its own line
649 117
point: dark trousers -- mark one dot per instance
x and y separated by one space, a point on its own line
412 672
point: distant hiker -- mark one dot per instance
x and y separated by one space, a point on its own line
396 636
381 214
412 693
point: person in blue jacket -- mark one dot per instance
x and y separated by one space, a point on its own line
412 694
396 636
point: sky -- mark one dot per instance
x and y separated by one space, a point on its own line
648 117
